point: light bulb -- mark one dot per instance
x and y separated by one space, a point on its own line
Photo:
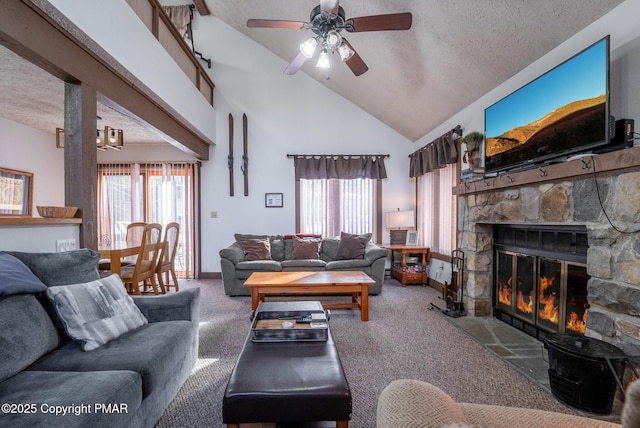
333 39
308 47
345 52
323 60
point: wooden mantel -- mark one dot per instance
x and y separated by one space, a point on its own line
618 161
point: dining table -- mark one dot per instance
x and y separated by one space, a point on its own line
116 251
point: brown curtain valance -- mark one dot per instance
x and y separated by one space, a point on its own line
435 155
180 16
343 167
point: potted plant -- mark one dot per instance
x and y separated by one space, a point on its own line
472 142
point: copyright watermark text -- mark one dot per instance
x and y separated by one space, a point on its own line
63 410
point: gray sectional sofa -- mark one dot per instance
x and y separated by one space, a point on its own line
48 379
236 268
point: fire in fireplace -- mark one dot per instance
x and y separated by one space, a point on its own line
541 278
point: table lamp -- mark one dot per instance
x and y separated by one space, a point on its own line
397 221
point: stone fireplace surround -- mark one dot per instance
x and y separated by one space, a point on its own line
613 257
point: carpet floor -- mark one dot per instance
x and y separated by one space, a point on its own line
402 339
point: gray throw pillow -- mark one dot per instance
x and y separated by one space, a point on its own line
96 312
352 246
17 278
69 267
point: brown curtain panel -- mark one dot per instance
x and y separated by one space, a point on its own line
435 155
340 167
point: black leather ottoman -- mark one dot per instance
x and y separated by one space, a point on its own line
286 382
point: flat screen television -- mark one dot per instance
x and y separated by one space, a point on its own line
563 112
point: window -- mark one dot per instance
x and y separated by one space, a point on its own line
153 193
437 209
331 206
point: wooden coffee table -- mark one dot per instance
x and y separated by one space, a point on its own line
355 283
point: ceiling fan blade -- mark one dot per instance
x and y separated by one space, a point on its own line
355 63
330 6
274 23
393 21
295 65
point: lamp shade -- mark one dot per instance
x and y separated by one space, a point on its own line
400 219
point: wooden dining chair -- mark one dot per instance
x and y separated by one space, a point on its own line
144 270
166 261
134 234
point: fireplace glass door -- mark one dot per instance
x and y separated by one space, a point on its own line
525 287
549 293
577 305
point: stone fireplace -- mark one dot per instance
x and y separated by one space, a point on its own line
588 201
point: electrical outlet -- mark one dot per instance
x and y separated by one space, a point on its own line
214 214
66 245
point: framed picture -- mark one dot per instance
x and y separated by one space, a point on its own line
273 200
16 193
412 238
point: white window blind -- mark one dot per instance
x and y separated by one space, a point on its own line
331 206
437 209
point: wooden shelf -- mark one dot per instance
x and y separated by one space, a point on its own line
23 221
606 162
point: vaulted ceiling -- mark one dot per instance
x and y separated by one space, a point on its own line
455 52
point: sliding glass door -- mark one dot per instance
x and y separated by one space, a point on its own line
153 193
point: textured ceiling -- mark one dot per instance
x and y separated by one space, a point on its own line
33 97
456 51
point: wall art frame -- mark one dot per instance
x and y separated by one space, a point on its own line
273 200
412 238
16 193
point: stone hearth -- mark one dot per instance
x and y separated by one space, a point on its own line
613 257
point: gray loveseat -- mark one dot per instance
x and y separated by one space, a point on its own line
236 269
47 379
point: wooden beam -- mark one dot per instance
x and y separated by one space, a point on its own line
201 6
80 159
29 32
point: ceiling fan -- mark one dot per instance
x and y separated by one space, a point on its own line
327 20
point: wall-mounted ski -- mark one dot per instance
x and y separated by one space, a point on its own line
230 157
245 155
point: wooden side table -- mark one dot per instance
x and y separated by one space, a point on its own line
409 273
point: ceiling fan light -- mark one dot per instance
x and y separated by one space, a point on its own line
345 52
308 47
333 39
323 60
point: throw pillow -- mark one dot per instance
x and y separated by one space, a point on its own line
17 278
256 249
306 248
69 267
96 312
352 246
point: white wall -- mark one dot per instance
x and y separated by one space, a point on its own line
26 149
286 115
